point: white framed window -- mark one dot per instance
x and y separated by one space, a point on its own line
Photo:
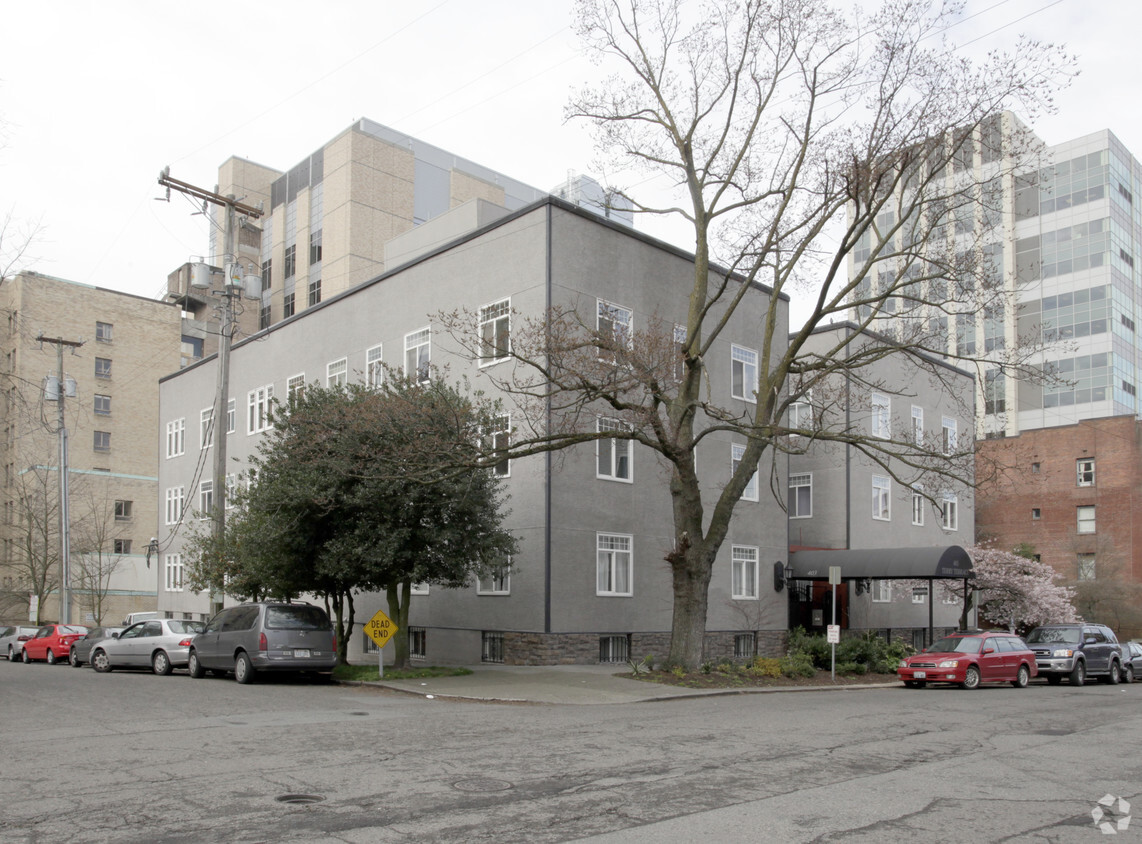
881 591
950 512
1086 567
616 325
205 499
743 372
418 355
497 440
881 423
419 589
745 571
919 594
948 434
801 496
172 565
174 505
737 452
258 409
295 385
801 414
231 416
103 332
102 441
917 424
1086 522
206 428
176 437
881 498
374 367
102 405
231 489
613 456
337 373
614 564
1084 471
917 507
495 583
495 332
123 510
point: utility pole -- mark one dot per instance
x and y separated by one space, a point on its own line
64 520
231 289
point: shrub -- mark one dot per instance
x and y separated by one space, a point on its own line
797 665
811 645
762 666
851 668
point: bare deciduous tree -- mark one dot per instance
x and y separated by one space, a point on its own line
94 557
843 160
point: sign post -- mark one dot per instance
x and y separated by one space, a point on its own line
834 631
380 629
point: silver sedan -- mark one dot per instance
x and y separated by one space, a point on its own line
160 644
12 641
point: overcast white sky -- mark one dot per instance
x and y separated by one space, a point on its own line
96 97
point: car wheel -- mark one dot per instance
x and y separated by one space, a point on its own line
51 658
1128 674
971 678
243 670
1078 674
24 658
1022 678
1054 679
100 662
161 663
1115 671
10 653
73 658
194 667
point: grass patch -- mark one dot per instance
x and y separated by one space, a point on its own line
366 673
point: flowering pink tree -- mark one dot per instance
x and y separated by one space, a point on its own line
1013 590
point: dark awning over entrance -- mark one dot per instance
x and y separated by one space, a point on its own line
949 561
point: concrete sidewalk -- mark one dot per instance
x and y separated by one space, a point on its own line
569 684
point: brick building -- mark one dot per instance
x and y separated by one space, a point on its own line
1071 495
111 413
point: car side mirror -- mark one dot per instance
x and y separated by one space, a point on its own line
114 635
989 650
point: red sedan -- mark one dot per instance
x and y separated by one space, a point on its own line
970 658
52 642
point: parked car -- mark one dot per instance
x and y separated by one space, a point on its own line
265 636
1076 651
1131 661
970 658
12 641
52 642
81 648
160 644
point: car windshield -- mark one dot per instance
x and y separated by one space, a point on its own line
181 626
1064 635
296 617
955 644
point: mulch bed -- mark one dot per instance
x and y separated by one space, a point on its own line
719 680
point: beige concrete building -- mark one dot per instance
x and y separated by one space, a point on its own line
115 348
327 219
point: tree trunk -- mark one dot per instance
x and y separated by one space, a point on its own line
691 578
398 612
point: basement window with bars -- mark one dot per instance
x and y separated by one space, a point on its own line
493 647
614 648
745 645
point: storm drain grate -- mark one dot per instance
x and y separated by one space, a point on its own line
481 784
299 798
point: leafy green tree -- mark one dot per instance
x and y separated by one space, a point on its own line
337 503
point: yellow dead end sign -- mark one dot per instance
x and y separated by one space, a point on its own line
380 628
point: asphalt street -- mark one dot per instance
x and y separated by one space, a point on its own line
131 757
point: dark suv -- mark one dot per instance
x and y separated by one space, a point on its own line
1076 651
265 636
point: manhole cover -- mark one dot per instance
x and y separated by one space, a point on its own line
299 798
481 784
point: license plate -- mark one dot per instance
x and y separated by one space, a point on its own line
919 675
301 653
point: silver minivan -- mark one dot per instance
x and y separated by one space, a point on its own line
265 636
